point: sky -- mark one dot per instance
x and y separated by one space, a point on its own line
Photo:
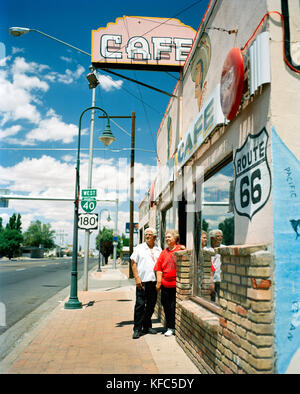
44 90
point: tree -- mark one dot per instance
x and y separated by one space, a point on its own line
106 245
227 227
39 235
11 237
205 225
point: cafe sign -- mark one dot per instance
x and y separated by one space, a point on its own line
134 42
208 118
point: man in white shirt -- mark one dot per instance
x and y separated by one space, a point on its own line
143 260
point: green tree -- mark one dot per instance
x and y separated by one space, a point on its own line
106 244
11 237
205 225
39 235
227 227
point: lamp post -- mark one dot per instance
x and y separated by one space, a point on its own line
108 219
73 302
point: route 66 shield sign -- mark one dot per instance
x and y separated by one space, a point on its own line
252 175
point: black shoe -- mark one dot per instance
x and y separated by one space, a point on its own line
149 330
136 334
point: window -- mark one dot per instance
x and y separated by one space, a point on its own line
167 222
217 213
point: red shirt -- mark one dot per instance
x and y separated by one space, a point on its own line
166 263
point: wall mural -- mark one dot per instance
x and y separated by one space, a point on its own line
286 213
252 175
199 67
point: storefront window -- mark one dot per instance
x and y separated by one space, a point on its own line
167 223
217 214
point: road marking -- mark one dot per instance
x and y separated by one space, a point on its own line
20 269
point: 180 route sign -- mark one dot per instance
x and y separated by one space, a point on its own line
88 221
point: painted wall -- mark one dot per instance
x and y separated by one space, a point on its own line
286 205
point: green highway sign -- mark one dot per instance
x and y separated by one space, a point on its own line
86 193
88 199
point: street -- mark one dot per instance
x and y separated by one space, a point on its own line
26 284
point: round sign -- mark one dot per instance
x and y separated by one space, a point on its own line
232 83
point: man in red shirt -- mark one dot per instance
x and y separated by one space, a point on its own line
165 268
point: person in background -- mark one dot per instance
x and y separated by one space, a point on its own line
216 237
143 260
165 268
203 239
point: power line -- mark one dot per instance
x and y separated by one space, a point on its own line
75 149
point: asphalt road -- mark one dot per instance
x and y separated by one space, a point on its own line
25 285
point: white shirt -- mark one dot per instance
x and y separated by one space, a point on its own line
145 259
216 262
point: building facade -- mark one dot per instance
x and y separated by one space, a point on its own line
228 158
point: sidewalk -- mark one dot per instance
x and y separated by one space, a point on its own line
97 339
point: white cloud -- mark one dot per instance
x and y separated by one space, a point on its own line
68 77
53 129
108 84
66 59
16 101
15 50
20 88
48 177
13 130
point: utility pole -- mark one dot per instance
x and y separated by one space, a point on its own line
131 214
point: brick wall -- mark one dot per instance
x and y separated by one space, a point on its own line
237 336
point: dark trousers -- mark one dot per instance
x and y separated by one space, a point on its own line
144 306
168 301
216 292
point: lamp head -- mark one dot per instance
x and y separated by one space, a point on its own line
93 80
107 137
18 31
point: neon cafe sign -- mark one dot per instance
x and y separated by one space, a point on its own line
142 43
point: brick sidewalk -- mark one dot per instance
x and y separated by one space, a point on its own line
97 339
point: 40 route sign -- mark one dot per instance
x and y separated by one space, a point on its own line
88 199
88 221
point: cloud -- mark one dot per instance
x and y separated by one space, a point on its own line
49 177
52 128
16 50
109 84
16 101
68 77
66 59
13 130
21 87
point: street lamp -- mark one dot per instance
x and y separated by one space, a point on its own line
108 219
20 31
73 302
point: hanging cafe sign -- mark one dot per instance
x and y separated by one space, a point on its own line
142 43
